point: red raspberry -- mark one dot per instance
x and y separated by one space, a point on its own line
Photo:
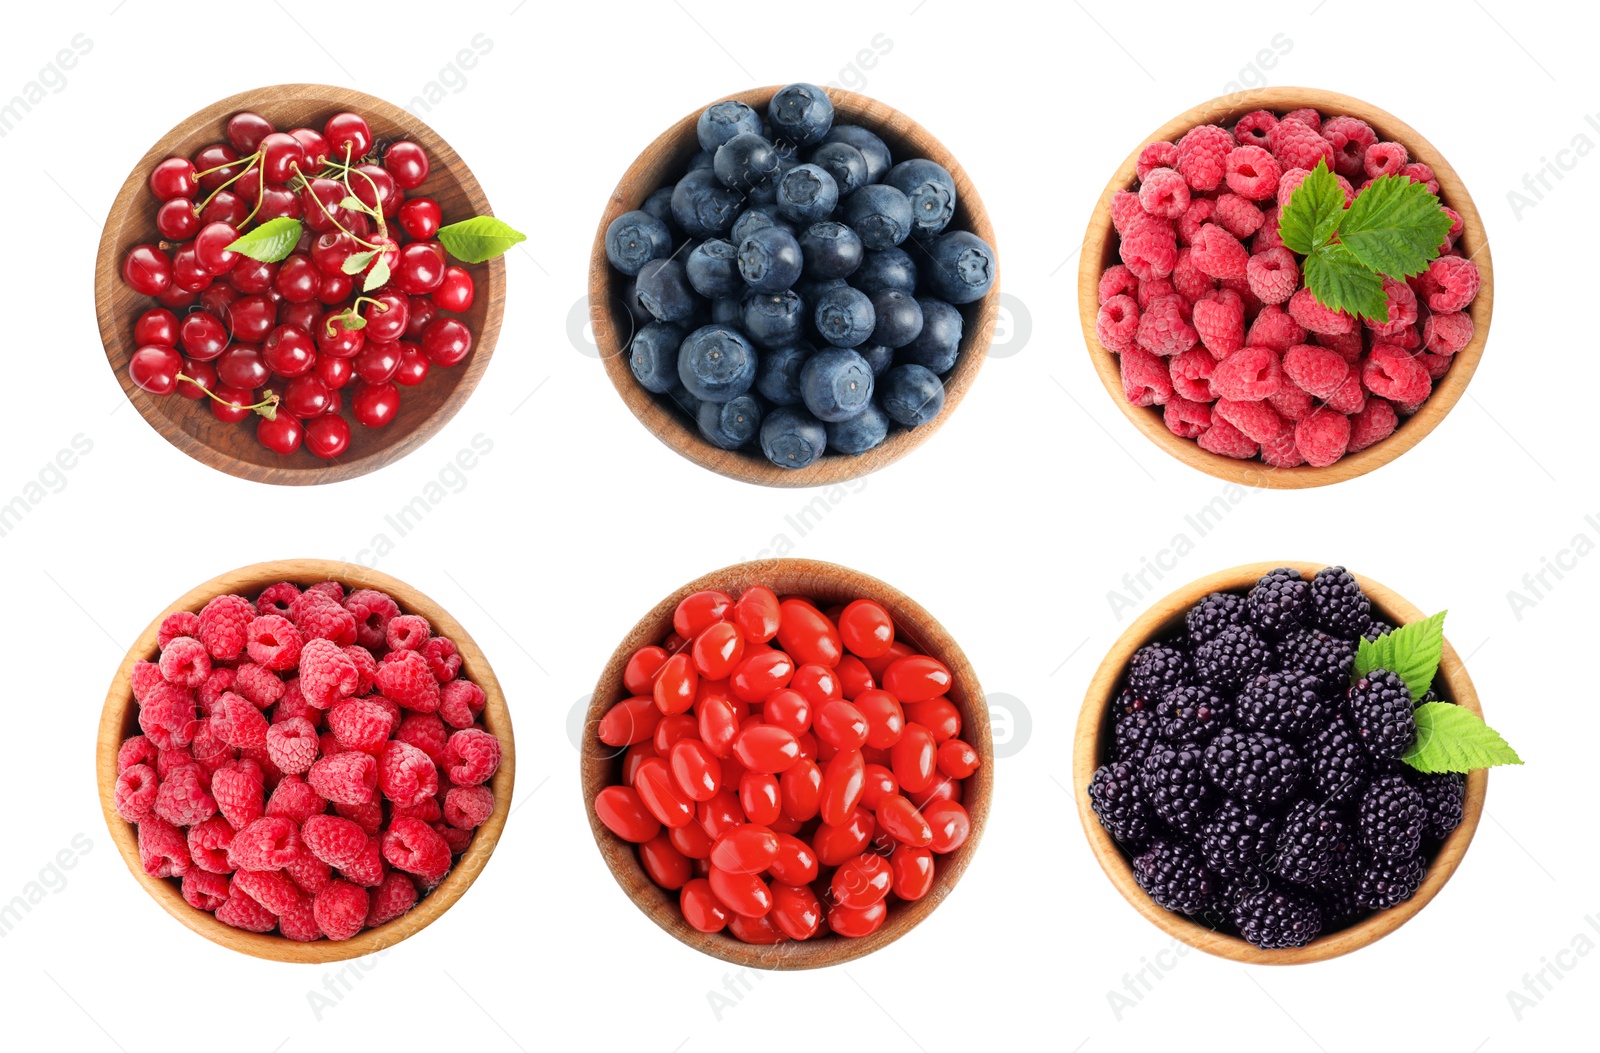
167 716
1145 381
372 610
270 775
1289 184
1350 137
1250 374
274 642
1350 346
444 658
468 807
1191 378
460 702
1259 421
1454 281
1198 214
208 749
292 745
1241 286
136 749
327 674
258 684
1351 396
406 775
360 724
1126 212
163 852
405 679
428 810
300 924
471 756
1305 309
224 624
1408 337
1117 280
1164 328
426 732
341 910
1383 159
1274 275
1253 173
1323 437
1187 280
1418 172
1252 128
1402 304
1159 154
346 778
1316 370
242 912
328 744
337 842
238 787
1203 156
220 681
1393 373
293 704
319 617
1268 237
1219 321
176 624
1372 425
1282 452
1150 251
390 708
1164 193
1298 145
1239 216
269 843
369 868
277 599
415 847
457 839
1117 323
184 662
294 799
143 677
1218 253
204 891
368 816
183 799
238 722
1447 332
366 667
208 845
168 761
1307 115
391 899
1155 289
1183 417
1457 225
332 589
310 874
135 793
1225 440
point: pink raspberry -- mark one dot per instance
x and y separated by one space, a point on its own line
1155 289
1308 116
1218 253
309 873
220 681
1298 145
1126 212
167 716
1268 237
341 910
1351 396
1164 193
258 684
1350 137
444 658
277 599
176 624
1219 321
390 900
1349 346
224 625
239 723
1191 380
468 807
1145 381
1315 370
1183 417
1117 323
471 756
1203 156
168 761
292 745
1225 440
366 667
372 610
1198 214
183 799
1187 280
163 852
415 847
1372 425
328 744
1150 251
1383 159
1408 338
1290 182
1250 374
1457 225
135 749
274 642
389 707
294 799
300 924
429 810
1253 173
208 845
270 775
369 869
368 816
1257 420
1253 127
242 912
184 662
239 788
1274 275
1241 286
208 748
404 678
1392 373
319 617
1164 330
347 778
1117 280
1323 437
332 589
460 702
406 775
1159 154
426 732
1402 308
337 842
1447 332
360 724
204 891
1455 282
1305 309
1239 216
1418 172
1282 452
458 839
143 677
327 674
269 843
293 704
135 793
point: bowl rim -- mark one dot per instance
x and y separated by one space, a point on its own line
1089 738
113 326
120 706
1099 238
912 622
670 426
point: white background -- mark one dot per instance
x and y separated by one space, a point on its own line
1011 525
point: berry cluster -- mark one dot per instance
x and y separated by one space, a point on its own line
796 288
1212 321
310 762
283 337
1254 783
798 797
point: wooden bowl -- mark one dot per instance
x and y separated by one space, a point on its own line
826 584
1100 252
1093 746
120 719
188 423
663 163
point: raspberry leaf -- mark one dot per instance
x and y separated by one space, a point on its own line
1453 738
1313 213
478 239
270 242
1395 227
1412 652
1341 282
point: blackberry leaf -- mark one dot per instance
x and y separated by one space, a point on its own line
1341 282
1313 213
1412 652
1453 738
1395 227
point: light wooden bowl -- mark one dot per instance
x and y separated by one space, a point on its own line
825 584
663 163
1092 746
1100 251
188 423
120 719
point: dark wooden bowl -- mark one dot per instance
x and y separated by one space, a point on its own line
661 164
1100 252
826 584
120 719
1093 743
232 448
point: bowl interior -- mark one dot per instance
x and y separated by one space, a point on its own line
662 164
825 583
188 424
1094 738
1100 250
120 719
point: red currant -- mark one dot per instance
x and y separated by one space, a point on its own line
328 436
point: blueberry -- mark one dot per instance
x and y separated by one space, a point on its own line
713 269
930 189
680 397
937 346
911 395
801 113
704 207
836 384
807 194
844 318
716 363
630 299
659 205
769 259
664 290
880 358
653 356
792 438
634 239
880 214
845 163
778 375
899 318
888 269
728 310
756 217
831 250
961 266
729 424
860 433
702 161
746 162
813 290
872 148
724 120
772 319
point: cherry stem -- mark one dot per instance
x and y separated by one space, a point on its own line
331 217
250 162
374 212
261 195
267 407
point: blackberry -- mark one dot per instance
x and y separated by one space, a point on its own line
1237 839
1289 705
1316 653
1156 669
1336 890
1443 798
1391 818
1175 784
1375 628
1340 767
1383 883
1232 657
1254 767
1213 614
1133 730
1116 794
1191 714
1338 604
1384 715
1279 602
1275 918
1312 838
1173 874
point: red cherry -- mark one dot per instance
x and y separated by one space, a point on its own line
241 366
216 156
155 368
375 188
281 434
447 342
188 273
420 268
252 277
377 362
455 291
289 352
334 339
251 318
173 178
298 279
414 365
335 288
328 191
334 372
227 207
307 397
215 298
331 249
328 436
375 405
246 130
423 312
202 336
278 201
408 163
147 269
156 326
281 157
420 217
197 371
176 221
211 247
235 403
387 317
349 136
315 147
176 298
303 316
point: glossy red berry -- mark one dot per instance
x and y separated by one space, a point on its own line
376 363
420 218
155 368
202 378
173 178
375 405
414 365
147 270
447 342
307 397
234 405
241 366
202 336
246 130
455 290
407 163
314 145
212 168
328 436
387 316
176 219
349 137
420 268
282 434
156 326
282 157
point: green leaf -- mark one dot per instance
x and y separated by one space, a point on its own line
270 242
1395 227
1340 281
377 275
479 238
1453 738
351 203
1313 213
1412 652
354 263
351 320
